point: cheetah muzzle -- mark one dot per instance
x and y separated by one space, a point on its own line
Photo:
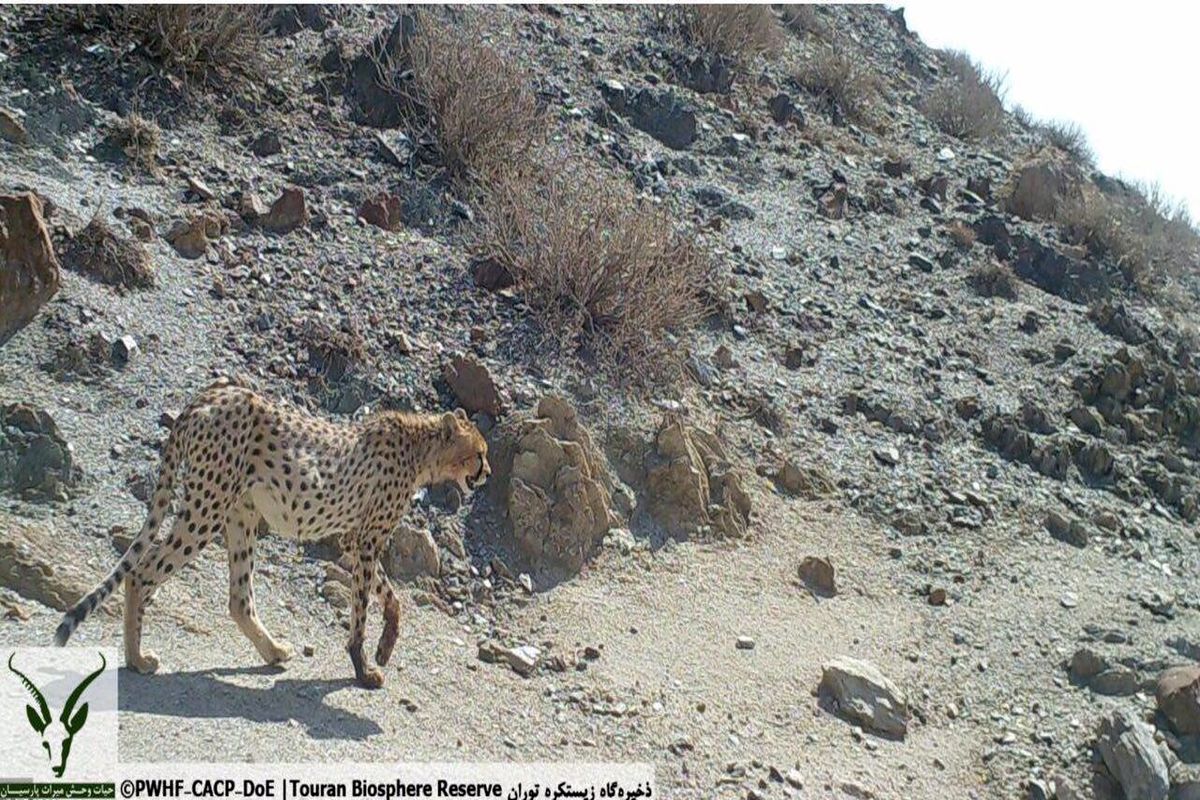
238 458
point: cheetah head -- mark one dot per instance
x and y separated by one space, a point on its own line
463 457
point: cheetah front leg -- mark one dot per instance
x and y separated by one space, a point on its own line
240 535
391 616
364 554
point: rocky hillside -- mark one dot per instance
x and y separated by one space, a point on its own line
686 268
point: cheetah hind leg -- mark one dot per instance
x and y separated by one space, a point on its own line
240 534
160 562
137 659
391 616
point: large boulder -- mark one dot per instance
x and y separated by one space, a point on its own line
371 90
412 552
473 385
692 486
30 275
1178 695
1042 184
35 460
1133 757
555 484
662 114
859 692
37 564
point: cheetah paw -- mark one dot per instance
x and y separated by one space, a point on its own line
279 653
146 663
371 679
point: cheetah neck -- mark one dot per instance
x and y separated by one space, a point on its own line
415 440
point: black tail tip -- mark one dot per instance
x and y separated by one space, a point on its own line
62 633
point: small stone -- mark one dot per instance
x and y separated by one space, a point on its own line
309 651
945 154
383 211
1086 664
745 643
921 262
937 597
1068 600
863 695
1070 531
266 144
11 128
490 652
524 659
287 213
818 575
124 349
779 253
1117 681
200 188
490 274
887 455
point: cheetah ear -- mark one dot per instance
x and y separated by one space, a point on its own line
458 412
449 426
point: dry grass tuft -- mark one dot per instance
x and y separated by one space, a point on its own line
738 31
804 18
603 270
1070 139
139 138
962 234
97 251
994 280
478 103
842 82
969 103
198 41
1150 239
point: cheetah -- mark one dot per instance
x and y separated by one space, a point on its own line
242 458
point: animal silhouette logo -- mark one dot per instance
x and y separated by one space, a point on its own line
57 734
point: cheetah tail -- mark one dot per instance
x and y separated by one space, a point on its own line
159 505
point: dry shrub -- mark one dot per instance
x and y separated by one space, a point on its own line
994 280
97 251
1023 117
739 30
1152 240
842 82
139 138
1069 138
805 19
602 269
478 103
962 234
968 104
198 41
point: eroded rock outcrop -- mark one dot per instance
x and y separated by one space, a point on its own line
691 486
555 485
35 460
36 564
30 274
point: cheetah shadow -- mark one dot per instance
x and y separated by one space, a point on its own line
203 695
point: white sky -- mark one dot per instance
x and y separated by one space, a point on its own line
1125 72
